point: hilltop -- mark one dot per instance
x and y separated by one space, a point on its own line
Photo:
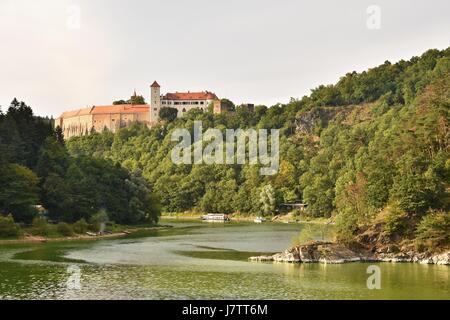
371 152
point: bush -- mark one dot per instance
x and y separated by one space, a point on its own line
167 113
99 220
346 226
395 220
64 229
81 226
40 227
434 230
8 228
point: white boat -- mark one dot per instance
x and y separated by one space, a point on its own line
259 220
212 217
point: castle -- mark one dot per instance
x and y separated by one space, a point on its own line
113 117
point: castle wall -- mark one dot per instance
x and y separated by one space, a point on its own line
115 121
77 125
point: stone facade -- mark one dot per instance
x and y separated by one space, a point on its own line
113 117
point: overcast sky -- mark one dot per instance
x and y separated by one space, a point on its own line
65 54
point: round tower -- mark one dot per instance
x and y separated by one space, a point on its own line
155 102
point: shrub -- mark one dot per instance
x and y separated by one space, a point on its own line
81 226
40 227
395 220
346 225
98 220
434 230
64 229
8 228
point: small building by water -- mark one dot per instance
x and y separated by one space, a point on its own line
216 217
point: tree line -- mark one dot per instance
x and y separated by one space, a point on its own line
373 146
36 170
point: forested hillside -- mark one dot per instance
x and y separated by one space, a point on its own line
36 169
372 148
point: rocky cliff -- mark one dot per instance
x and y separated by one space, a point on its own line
333 253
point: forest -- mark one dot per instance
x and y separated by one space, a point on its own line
36 169
372 149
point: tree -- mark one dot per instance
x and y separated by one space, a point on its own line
8 228
18 192
168 114
414 193
59 135
134 99
137 100
267 200
434 229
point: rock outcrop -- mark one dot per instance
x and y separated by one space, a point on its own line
333 253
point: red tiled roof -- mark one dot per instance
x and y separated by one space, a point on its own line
123 108
190 96
155 84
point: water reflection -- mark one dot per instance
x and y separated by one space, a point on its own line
200 261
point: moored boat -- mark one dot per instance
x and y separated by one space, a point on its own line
259 220
216 217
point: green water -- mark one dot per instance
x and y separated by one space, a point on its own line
203 261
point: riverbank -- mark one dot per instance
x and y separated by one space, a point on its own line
29 239
283 218
334 253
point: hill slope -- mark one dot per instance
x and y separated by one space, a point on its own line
373 148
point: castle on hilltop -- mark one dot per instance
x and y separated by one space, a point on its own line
113 117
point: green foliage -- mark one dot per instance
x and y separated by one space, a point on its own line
64 229
40 227
346 225
219 197
402 81
434 229
36 168
81 226
348 150
267 200
99 220
134 99
413 193
8 228
18 191
395 220
168 114
229 103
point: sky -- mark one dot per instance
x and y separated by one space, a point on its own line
59 55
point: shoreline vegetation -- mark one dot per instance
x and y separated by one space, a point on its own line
369 150
370 154
42 231
281 218
129 230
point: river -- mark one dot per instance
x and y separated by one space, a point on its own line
195 260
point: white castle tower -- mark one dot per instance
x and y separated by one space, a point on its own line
155 102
